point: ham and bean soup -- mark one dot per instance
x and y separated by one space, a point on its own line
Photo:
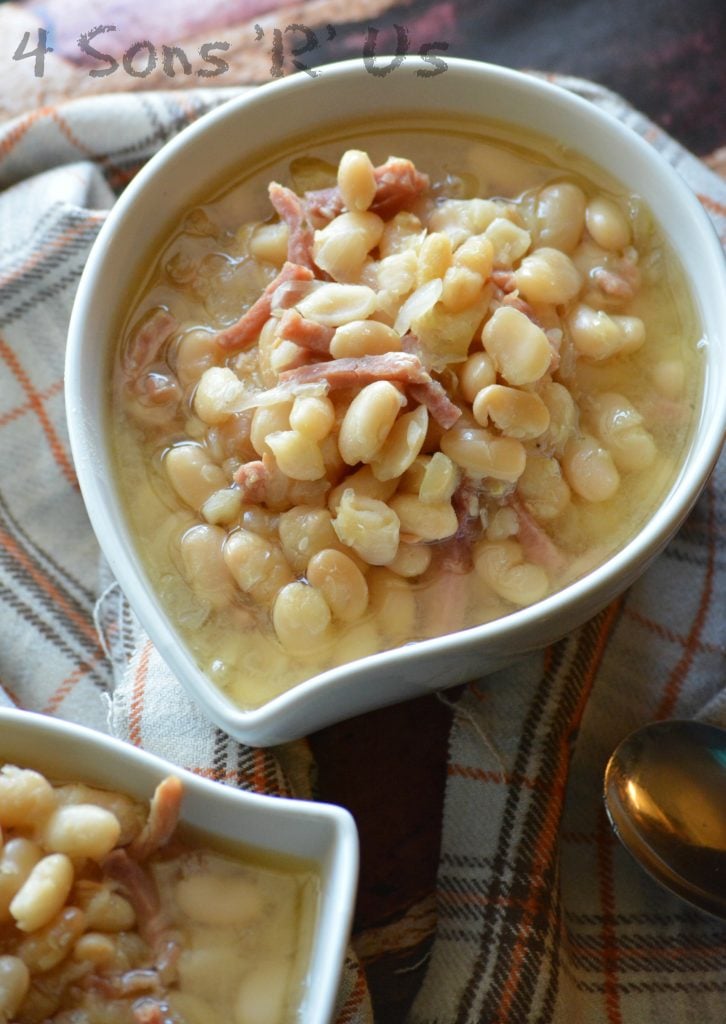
110 915
365 399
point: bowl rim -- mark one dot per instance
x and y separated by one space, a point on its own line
274 720
337 865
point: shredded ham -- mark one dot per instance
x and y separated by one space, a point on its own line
398 184
621 283
306 333
147 343
152 1011
512 299
162 819
396 367
361 370
434 397
456 552
247 329
140 981
444 603
152 921
504 279
139 887
251 477
291 210
323 204
537 545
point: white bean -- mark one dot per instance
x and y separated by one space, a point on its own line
43 893
633 331
426 521
296 454
356 180
501 564
589 469
411 560
18 859
563 414
483 454
504 523
434 257
95 948
607 224
46 947
402 445
341 583
218 394
224 506
542 488
393 604
192 474
619 426
461 218
268 419
560 215
368 526
368 421
520 414
305 531
509 241
440 479
258 566
269 243
313 416
461 287
334 304
365 484
26 797
219 900
548 275
477 254
476 373
196 352
81 830
301 617
205 569
401 233
595 333
105 910
364 338
14 985
669 377
518 348
262 994
342 246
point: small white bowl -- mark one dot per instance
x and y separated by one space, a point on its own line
323 835
219 143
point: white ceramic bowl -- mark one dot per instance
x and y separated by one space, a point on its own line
218 143
322 834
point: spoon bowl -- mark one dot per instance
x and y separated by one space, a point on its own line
665 795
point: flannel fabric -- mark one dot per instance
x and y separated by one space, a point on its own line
541 916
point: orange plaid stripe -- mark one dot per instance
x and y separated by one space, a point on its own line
36 403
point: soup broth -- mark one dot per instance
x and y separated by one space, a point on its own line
478 387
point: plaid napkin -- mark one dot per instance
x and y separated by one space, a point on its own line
542 917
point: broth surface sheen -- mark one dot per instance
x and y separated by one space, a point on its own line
522 286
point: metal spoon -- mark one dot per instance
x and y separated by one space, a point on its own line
665 795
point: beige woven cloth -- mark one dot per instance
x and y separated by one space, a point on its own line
541 916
